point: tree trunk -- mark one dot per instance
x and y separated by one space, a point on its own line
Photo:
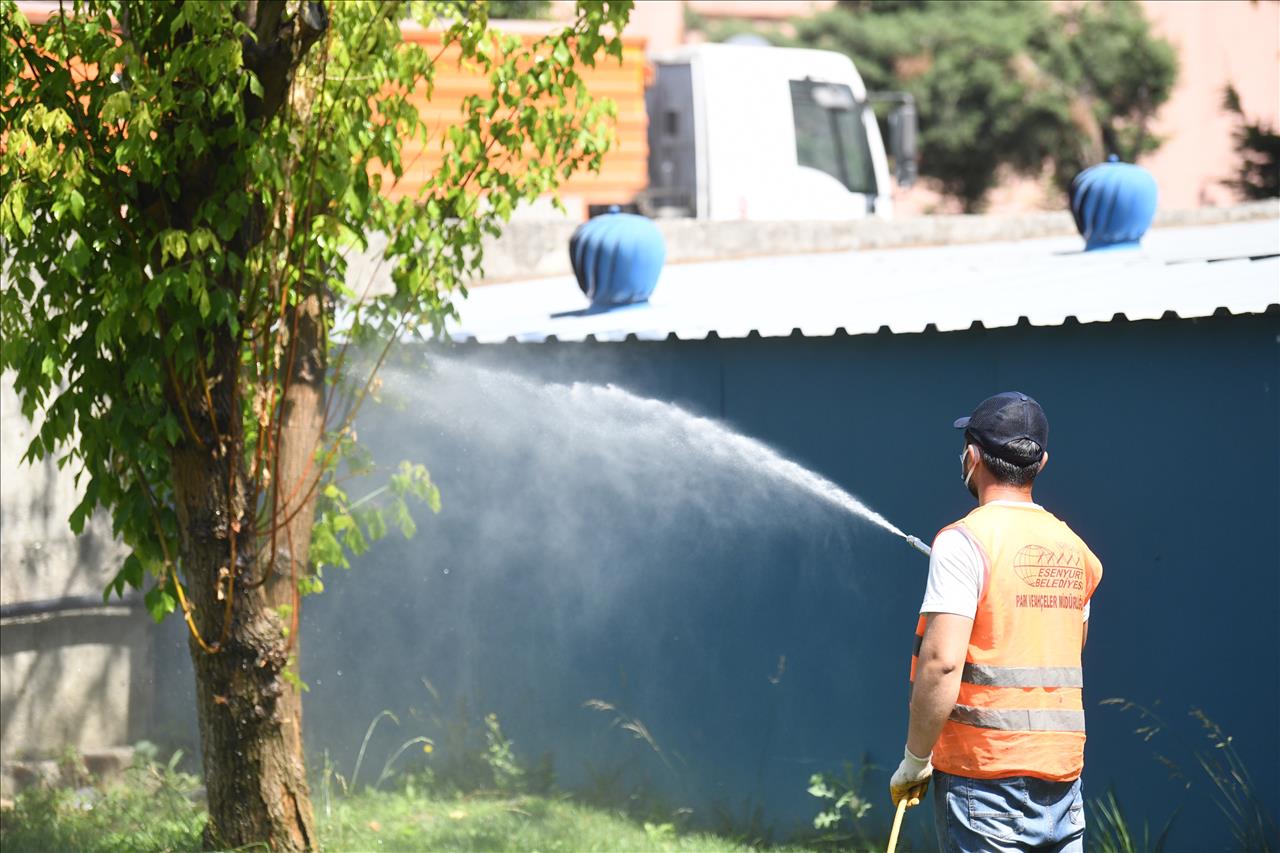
249 725
302 428
250 714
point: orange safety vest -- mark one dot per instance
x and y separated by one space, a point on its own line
1019 711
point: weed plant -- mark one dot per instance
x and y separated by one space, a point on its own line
153 807
842 822
1109 829
625 784
1252 826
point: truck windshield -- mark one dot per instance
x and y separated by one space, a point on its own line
830 135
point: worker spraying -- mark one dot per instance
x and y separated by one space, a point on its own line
997 720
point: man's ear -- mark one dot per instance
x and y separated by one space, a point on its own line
1044 460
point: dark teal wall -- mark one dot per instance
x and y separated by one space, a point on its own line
1165 457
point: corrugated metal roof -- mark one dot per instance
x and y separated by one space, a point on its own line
1192 272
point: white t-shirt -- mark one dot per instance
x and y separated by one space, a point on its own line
955 572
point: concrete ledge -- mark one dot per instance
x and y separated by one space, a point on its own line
80 679
533 249
540 247
1245 212
102 765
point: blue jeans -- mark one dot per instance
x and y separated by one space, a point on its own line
1012 814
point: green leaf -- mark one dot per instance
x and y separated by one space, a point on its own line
173 244
130 574
79 515
200 239
160 602
290 675
133 571
310 585
355 541
818 787
116 107
403 519
376 525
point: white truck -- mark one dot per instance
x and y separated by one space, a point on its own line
769 133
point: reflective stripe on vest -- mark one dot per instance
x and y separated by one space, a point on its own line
1015 676
1020 719
1022 676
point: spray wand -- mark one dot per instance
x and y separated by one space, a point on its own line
914 542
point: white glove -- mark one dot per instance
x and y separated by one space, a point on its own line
911 779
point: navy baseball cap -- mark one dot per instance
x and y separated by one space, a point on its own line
1003 418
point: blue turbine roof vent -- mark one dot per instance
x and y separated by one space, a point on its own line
617 258
1113 204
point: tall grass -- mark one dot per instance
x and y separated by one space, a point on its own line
1109 829
1253 828
1252 825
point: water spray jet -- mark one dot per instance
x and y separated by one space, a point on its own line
592 417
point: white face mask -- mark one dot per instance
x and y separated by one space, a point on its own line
966 475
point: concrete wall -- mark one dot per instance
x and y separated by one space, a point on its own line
77 677
685 623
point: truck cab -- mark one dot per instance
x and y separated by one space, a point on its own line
741 132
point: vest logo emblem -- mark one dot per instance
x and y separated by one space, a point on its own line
1059 567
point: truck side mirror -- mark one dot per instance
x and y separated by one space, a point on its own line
902 141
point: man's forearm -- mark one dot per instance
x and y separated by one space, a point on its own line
932 699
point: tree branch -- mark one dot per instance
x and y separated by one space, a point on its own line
277 47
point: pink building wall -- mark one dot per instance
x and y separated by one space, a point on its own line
1221 42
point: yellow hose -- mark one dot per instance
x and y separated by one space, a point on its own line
908 800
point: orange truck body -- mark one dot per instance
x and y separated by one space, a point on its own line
624 171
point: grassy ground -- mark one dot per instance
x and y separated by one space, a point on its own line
135 819
398 822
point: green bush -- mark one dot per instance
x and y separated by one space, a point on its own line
154 807
840 823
